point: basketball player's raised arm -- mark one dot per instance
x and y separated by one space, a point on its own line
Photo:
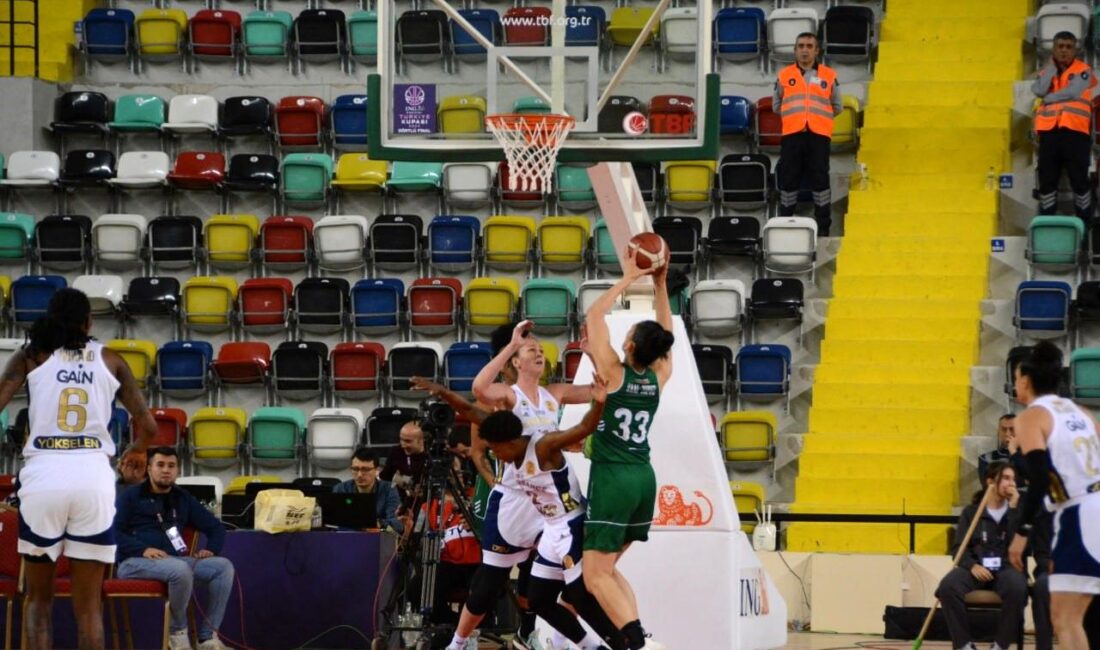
1032 427
599 336
486 388
549 447
143 425
663 308
15 375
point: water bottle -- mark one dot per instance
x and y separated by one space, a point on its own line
990 180
864 177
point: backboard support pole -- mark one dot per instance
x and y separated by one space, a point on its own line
625 214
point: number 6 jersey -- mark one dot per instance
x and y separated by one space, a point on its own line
72 397
1074 450
622 436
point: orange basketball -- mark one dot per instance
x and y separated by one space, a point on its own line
650 250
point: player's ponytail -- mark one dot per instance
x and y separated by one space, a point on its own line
63 324
1043 367
651 342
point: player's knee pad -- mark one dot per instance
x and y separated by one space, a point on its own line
542 593
485 587
576 594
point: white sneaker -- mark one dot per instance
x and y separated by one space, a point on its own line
179 641
212 644
530 643
650 644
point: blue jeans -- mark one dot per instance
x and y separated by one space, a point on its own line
181 573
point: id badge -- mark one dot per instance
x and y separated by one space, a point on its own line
992 563
176 539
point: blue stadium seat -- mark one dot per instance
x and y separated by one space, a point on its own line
108 33
349 121
377 305
182 368
461 363
1042 309
487 23
30 295
586 26
735 116
119 426
452 243
739 33
763 373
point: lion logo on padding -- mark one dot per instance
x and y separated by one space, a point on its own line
672 511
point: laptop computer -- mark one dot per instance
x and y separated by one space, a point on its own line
357 511
238 511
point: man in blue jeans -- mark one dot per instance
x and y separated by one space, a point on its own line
149 522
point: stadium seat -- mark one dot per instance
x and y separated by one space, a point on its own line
160 33
573 188
526 26
789 245
775 299
214 34
141 170
739 34
104 292
453 243
245 116
585 26
395 242
208 303
1054 244
735 117
490 303
1052 18
192 114
468 185
182 368
378 305
1042 309
768 130
251 173
340 242
626 23
62 242
610 119
357 369
434 305
321 305
550 304
119 428
562 243
305 179
384 426
171 427
550 356
680 34
412 359
275 436
242 363
175 242
461 363
138 113
118 240
846 125
300 121
486 22
1084 376
411 177
1086 307
32 169
198 170
718 308
571 357
784 26
588 293
216 436
230 239
320 35
332 436
264 305
107 34
763 373
265 36
732 236
604 256
715 366
80 112
298 370
525 196
671 114
422 37
152 297
648 176
286 242
349 122
684 237
239 484
363 36
16 235
847 34
87 168
508 242
461 114
748 438
356 172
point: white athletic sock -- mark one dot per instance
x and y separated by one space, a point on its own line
457 642
591 642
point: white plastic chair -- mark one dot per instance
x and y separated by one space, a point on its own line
468 184
680 33
718 307
790 245
784 26
105 292
141 169
1061 17
32 169
117 240
332 435
339 241
192 114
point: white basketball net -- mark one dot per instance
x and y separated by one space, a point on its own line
531 144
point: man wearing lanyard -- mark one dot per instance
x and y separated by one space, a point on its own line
807 98
149 523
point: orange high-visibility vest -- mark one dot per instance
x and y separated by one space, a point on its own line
807 105
1073 113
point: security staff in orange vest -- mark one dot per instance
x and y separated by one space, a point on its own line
807 98
1062 123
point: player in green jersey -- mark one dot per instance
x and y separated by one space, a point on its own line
622 487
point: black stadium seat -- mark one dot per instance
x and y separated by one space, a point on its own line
613 112
152 296
744 180
847 34
648 176
320 34
422 36
683 236
321 304
407 361
775 299
175 241
84 167
733 236
395 241
298 369
244 116
62 241
715 363
384 425
81 112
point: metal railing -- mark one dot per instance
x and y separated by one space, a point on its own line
911 520
11 23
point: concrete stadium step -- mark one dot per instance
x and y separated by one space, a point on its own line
872 201
920 244
859 308
910 287
884 467
900 493
870 373
961 9
928 262
889 420
876 225
957 95
888 539
890 444
917 396
875 116
873 328
963 181
958 54
940 139
932 29
936 71
918 354
889 161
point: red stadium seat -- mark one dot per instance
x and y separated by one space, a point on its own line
10 562
198 170
214 33
171 427
674 114
526 26
286 241
356 368
264 304
243 362
769 126
571 360
507 195
434 304
300 121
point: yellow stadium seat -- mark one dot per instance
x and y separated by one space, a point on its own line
490 303
140 355
239 483
356 172
562 243
689 184
508 242
208 303
5 289
846 125
749 436
160 32
461 114
626 24
747 498
216 434
230 238
550 367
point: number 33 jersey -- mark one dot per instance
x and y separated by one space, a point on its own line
71 398
622 436
1074 449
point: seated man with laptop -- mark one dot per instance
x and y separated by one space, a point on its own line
364 469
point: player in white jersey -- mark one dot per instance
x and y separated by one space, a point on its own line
67 487
1062 452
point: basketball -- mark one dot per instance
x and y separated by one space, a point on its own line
650 250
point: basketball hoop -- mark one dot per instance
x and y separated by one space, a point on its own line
531 143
